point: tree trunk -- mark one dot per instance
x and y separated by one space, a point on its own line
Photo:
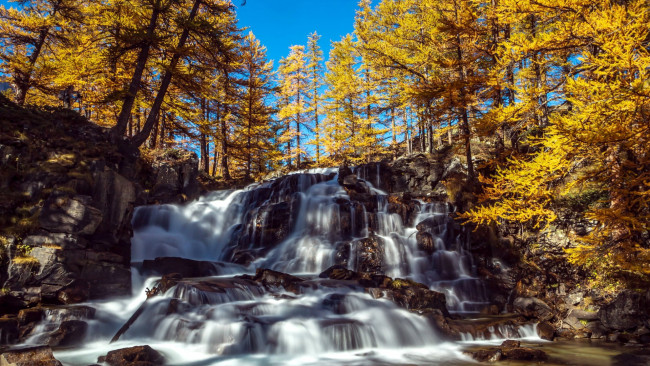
136 79
165 81
463 107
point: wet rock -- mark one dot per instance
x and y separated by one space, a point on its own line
335 303
545 331
277 280
184 267
75 292
31 315
629 310
339 272
133 356
509 350
425 242
76 312
69 333
369 255
524 354
510 343
30 356
342 255
532 308
8 330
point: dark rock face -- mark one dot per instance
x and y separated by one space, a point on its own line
369 254
133 356
405 293
182 266
533 308
629 310
9 330
70 333
32 356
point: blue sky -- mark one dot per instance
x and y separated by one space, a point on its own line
279 24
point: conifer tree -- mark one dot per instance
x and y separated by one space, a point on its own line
294 86
315 82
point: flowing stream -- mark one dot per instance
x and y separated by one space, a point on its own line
300 224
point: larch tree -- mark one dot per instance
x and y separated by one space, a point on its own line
255 129
294 86
315 82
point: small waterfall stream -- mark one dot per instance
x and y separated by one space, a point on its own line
300 224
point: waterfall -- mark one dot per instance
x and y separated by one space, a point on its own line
300 224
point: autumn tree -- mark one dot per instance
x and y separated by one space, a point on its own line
294 87
315 82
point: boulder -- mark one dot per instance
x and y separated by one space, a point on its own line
30 356
369 254
69 333
629 310
532 308
545 331
133 356
70 215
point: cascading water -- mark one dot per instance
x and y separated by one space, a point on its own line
301 224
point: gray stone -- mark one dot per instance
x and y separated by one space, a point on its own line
63 240
115 195
629 310
73 215
532 307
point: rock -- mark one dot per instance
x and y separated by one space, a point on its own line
8 330
71 215
75 292
30 356
133 356
369 255
277 280
629 310
339 272
575 298
63 240
425 242
510 343
532 308
184 267
10 304
31 315
74 312
70 333
545 331
486 355
524 354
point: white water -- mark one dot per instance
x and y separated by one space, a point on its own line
247 325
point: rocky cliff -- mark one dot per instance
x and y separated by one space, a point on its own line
67 194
